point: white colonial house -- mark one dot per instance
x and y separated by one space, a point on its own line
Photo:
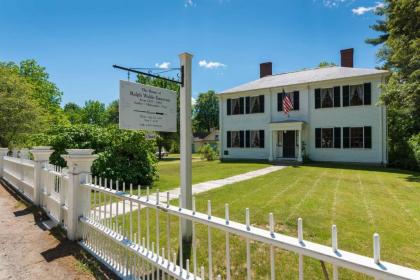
335 117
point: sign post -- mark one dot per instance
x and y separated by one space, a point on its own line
186 147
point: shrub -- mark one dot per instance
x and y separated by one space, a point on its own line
123 155
208 152
414 144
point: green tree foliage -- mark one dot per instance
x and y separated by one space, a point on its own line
73 112
94 113
326 64
123 154
400 51
20 112
206 112
112 112
164 139
414 144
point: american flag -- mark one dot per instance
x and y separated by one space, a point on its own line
287 103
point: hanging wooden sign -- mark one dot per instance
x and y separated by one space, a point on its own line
144 107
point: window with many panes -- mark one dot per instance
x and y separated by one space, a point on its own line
235 106
357 95
245 139
328 137
327 97
357 137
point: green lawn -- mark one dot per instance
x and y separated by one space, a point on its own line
202 170
360 201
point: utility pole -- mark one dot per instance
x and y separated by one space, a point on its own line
186 149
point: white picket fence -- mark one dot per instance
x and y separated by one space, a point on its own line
145 244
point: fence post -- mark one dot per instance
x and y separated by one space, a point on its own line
41 157
3 153
79 162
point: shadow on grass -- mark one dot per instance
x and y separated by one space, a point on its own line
413 176
65 247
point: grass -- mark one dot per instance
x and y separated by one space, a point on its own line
360 201
202 171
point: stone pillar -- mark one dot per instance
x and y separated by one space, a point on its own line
41 157
79 162
3 153
300 146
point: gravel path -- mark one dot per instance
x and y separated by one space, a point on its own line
29 251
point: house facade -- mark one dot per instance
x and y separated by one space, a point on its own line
336 116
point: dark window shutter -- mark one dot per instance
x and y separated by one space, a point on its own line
247 104
247 139
317 98
337 96
367 94
368 137
262 140
346 96
317 138
229 139
346 137
296 100
229 107
241 103
337 137
241 139
280 101
261 103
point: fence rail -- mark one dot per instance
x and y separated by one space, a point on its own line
139 235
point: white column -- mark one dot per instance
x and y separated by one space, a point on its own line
41 157
79 162
300 145
3 153
186 143
270 144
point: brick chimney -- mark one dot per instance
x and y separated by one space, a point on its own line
347 57
266 69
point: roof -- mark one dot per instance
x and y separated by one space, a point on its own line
304 77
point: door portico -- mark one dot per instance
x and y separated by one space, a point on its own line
285 140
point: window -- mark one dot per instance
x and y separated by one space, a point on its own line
294 96
357 95
327 97
254 104
328 137
235 139
248 139
357 137
235 106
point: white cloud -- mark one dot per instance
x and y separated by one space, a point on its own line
210 64
334 3
163 65
193 101
362 10
189 3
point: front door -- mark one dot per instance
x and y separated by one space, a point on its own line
289 143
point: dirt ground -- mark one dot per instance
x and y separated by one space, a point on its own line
29 251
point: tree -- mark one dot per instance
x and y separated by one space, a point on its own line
20 113
206 112
94 113
112 112
400 50
73 112
164 139
326 64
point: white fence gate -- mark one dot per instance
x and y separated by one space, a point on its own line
140 237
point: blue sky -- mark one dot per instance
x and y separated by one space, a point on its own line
78 41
